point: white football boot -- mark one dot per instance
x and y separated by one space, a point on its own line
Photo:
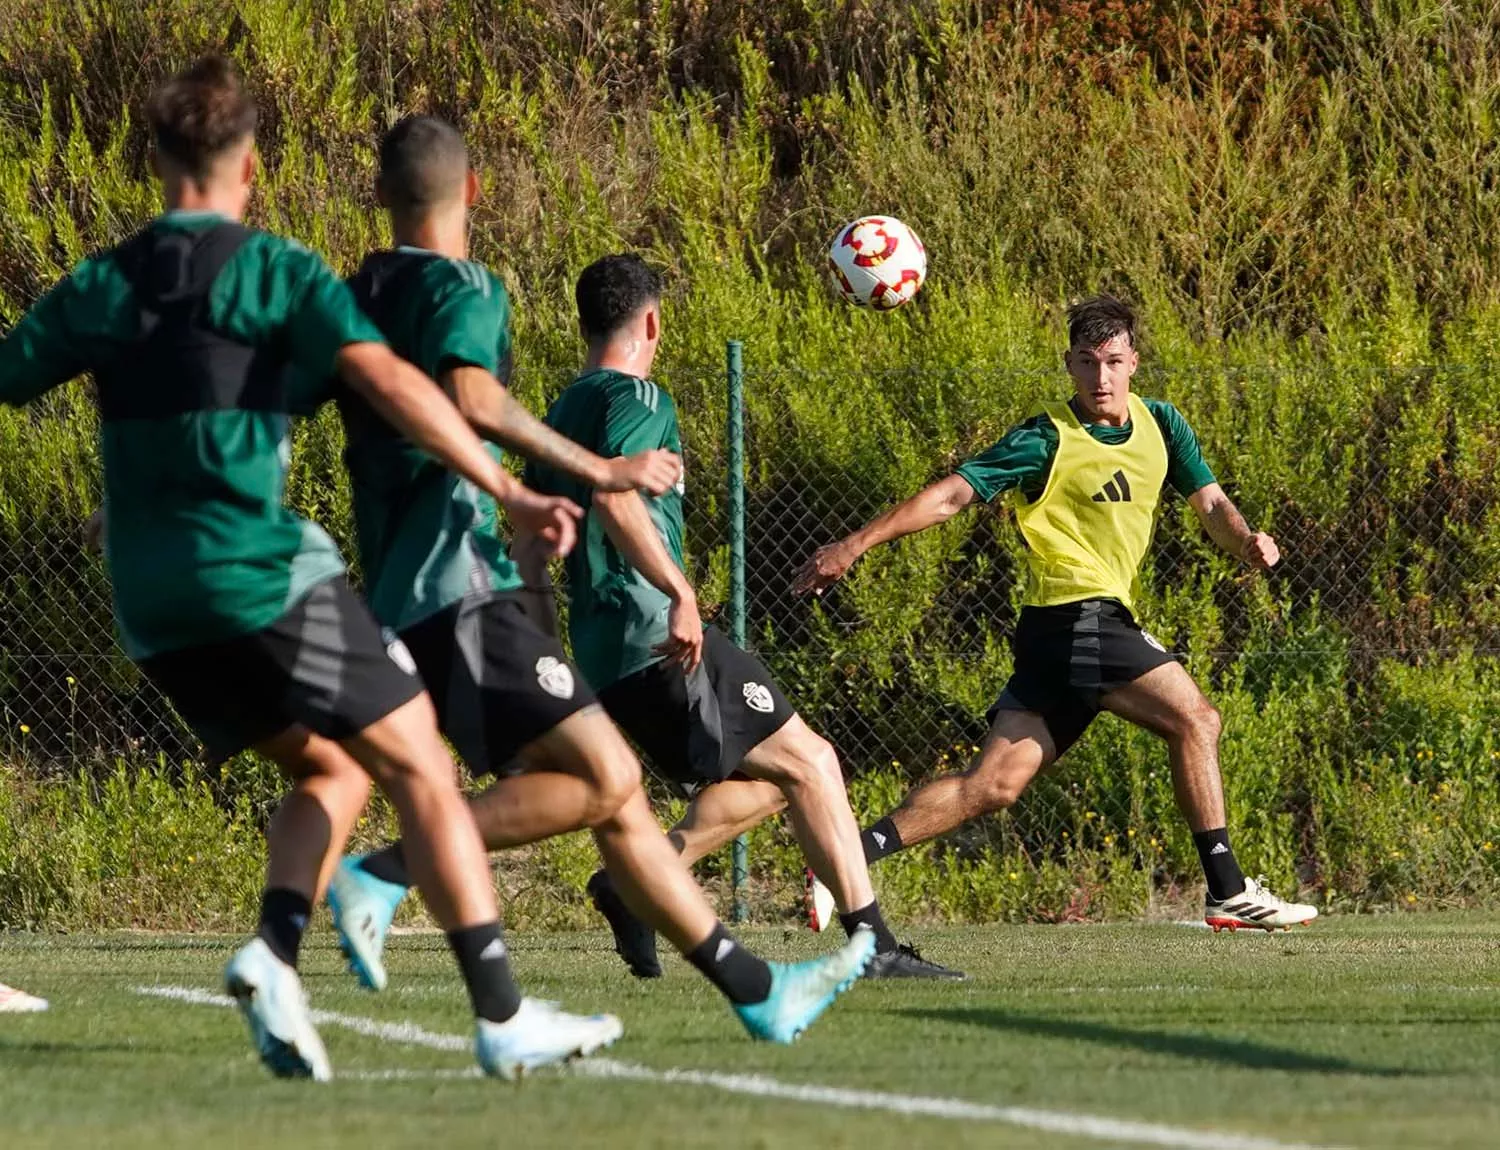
539 1034
1258 908
13 1001
817 901
270 996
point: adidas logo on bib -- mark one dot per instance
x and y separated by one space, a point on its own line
555 677
1117 490
758 698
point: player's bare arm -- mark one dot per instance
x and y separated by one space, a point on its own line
932 505
416 407
628 524
1227 527
499 417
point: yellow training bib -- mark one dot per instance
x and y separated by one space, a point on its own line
1088 531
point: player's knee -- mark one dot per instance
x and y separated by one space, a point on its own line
616 776
1205 723
818 766
991 787
1001 794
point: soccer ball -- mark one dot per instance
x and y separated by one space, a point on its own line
877 261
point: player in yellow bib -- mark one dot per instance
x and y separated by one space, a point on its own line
1086 477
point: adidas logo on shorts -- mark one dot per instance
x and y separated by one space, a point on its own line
396 650
758 698
555 677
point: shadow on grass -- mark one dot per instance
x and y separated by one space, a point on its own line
39 1048
1202 1047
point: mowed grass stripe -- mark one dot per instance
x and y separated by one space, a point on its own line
1050 1121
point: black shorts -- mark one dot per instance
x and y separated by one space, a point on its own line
1071 656
498 680
696 729
324 665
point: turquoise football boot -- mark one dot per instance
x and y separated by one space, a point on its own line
363 907
801 991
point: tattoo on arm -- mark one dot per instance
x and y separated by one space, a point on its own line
525 433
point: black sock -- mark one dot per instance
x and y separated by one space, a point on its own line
485 964
880 840
388 865
1225 879
742 976
871 918
283 918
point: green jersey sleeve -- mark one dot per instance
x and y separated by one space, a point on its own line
470 326
1187 471
277 289
639 416
65 332
1020 461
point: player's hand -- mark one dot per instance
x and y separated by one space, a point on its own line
551 518
655 471
1261 552
684 641
93 532
826 567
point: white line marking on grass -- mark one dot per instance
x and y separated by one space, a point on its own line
405 1033
1052 1121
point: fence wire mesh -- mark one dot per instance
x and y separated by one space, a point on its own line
1357 683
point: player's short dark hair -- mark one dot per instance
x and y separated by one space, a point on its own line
200 113
612 290
423 162
1098 320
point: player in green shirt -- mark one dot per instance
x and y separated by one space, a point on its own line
707 714
440 577
1085 477
237 608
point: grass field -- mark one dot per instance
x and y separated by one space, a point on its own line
1359 1032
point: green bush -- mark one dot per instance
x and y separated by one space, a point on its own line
1303 198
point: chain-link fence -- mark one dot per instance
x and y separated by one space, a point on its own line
1358 682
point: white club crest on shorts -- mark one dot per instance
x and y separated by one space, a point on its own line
1154 641
399 655
759 698
555 677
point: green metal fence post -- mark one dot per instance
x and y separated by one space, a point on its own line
735 370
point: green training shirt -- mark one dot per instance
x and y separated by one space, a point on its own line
200 547
427 537
1022 460
615 617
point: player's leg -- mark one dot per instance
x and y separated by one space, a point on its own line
775 1001
511 701
326 666
806 768
406 756
1167 702
1018 746
648 876
499 684
315 818
1020 743
308 830
719 813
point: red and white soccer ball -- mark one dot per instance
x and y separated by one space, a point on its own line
877 261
